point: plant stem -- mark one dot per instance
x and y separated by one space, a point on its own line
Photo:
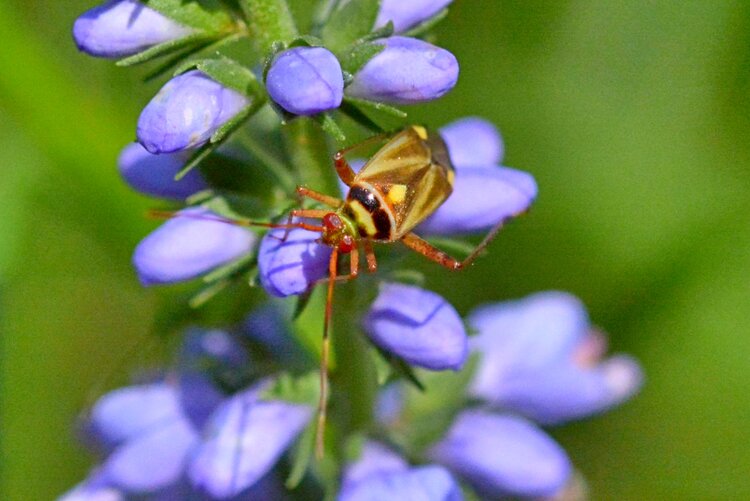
354 384
269 21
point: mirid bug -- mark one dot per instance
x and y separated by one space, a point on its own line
401 185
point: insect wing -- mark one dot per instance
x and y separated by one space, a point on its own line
412 175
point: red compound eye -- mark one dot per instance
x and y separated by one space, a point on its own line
332 222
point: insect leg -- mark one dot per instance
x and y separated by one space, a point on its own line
372 263
326 348
330 201
353 270
420 245
343 169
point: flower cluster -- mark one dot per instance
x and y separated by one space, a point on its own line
226 138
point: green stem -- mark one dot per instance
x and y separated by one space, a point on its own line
269 21
353 381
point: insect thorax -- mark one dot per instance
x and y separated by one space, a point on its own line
372 216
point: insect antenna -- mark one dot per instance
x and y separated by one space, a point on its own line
325 350
167 214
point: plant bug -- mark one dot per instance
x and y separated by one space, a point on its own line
401 185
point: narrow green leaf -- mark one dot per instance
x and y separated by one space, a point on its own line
426 25
166 48
349 23
189 57
382 32
301 456
207 15
207 293
352 60
302 301
329 125
452 245
377 117
232 74
269 21
232 269
378 107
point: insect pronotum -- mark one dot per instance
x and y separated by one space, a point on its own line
402 184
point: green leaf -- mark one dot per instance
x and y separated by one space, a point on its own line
349 23
269 21
329 125
352 60
303 389
398 367
230 270
377 117
227 72
194 41
301 456
302 301
189 56
207 15
426 25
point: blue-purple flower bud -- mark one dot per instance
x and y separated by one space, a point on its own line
382 474
124 27
244 439
404 15
473 142
417 325
502 455
155 174
186 112
188 246
539 356
407 71
291 265
306 80
481 198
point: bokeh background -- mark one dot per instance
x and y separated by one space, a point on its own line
635 119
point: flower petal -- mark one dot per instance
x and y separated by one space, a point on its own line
404 15
293 265
407 71
428 483
501 455
154 174
375 459
306 80
567 392
481 198
473 142
186 112
188 246
417 325
130 412
245 438
124 27
152 461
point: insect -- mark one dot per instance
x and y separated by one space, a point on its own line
402 184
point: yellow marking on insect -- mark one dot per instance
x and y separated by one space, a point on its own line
397 194
451 176
421 131
364 218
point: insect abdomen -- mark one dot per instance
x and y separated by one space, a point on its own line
372 216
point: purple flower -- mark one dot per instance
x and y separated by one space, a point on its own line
293 265
188 246
501 455
186 112
540 357
149 436
243 441
306 80
483 193
124 27
473 142
417 325
481 198
407 71
404 15
154 174
93 489
382 474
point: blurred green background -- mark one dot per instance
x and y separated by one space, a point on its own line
635 119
